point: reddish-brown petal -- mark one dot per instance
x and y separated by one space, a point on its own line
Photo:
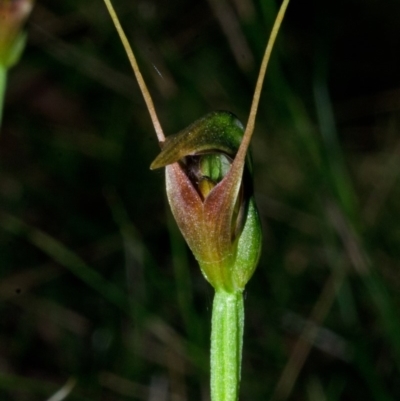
186 206
219 209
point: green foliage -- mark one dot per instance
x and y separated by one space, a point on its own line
96 283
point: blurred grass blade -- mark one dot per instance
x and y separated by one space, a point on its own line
64 391
3 84
21 385
346 218
65 257
336 167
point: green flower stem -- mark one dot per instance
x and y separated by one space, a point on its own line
226 345
3 83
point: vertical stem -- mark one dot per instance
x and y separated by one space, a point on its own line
3 82
226 345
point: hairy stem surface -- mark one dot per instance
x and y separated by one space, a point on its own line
226 345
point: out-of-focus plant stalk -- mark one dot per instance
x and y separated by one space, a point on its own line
13 14
3 83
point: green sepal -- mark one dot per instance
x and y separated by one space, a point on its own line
248 247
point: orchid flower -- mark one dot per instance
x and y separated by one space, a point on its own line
209 189
212 199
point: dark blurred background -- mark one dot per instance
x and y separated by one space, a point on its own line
100 298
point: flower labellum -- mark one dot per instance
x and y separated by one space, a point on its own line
211 198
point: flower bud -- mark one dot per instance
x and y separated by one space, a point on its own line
211 198
13 14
